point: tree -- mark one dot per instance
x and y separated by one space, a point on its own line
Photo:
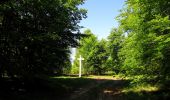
87 44
115 40
36 35
98 57
147 25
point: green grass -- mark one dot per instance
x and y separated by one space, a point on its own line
52 88
139 88
70 83
124 90
57 88
145 92
144 88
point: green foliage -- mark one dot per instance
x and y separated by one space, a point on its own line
87 45
95 54
145 50
98 57
115 40
36 35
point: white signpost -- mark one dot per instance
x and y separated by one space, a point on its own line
80 65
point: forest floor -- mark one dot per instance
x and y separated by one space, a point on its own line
112 88
90 88
94 91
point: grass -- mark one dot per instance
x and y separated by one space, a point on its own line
70 83
99 77
58 88
142 88
52 88
139 88
124 90
145 92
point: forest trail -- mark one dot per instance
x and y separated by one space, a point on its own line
103 88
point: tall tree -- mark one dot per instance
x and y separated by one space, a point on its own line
87 44
115 40
36 35
147 25
98 57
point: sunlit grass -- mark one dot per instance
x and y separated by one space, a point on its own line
65 77
139 88
88 77
122 87
99 77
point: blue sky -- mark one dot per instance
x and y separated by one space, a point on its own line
101 16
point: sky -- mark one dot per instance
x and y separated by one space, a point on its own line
101 16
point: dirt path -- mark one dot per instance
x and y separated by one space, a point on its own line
110 90
100 89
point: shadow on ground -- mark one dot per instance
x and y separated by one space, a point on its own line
71 88
112 90
55 88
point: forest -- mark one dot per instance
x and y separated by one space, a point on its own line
36 37
140 46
